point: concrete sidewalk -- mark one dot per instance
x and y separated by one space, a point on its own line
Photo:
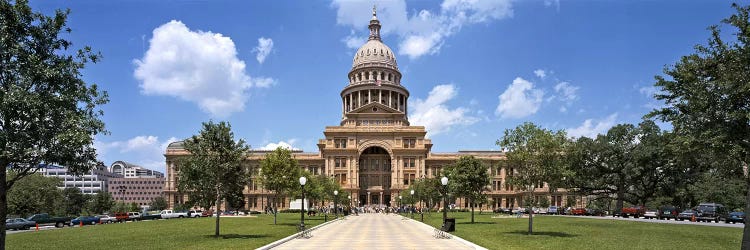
376 231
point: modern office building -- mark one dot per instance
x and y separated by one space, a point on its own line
130 170
373 152
141 190
91 182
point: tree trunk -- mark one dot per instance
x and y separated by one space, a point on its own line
531 213
3 204
620 196
472 211
218 213
276 196
745 232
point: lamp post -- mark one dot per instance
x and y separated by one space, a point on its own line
444 181
350 203
302 181
367 200
399 204
412 203
335 198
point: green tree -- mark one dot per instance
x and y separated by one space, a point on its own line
428 191
469 178
159 203
537 156
279 174
73 201
133 207
706 95
48 113
101 202
213 172
34 194
716 187
543 202
120 207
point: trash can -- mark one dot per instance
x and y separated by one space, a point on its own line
449 225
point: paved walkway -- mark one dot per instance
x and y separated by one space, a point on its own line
374 231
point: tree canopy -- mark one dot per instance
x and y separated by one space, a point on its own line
468 178
213 171
279 173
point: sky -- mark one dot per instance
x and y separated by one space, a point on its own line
274 69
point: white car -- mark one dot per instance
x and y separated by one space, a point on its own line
651 214
106 219
169 214
195 213
134 216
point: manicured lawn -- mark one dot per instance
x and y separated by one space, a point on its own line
556 232
236 233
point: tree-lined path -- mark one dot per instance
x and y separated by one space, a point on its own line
374 231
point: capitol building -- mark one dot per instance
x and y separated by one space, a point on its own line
374 152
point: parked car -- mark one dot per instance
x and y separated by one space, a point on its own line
169 214
121 217
594 212
668 212
149 216
106 218
688 215
45 219
578 211
207 213
86 220
134 216
712 212
19 224
735 217
195 214
635 211
651 214
552 210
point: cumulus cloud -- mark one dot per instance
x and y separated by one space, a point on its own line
435 115
590 129
423 32
566 92
283 144
354 41
540 73
265 45
195 66
520 99
145 150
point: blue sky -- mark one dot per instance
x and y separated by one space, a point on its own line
274 69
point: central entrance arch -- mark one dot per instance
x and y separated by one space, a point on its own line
374 177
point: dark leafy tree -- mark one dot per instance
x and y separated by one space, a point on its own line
428 191
34 194
280 174
48 113
537 156
469 178
101 202
706 95
73 201
159 203
213 171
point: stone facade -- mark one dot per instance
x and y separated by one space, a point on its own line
374 153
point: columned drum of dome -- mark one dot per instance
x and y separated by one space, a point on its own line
373 153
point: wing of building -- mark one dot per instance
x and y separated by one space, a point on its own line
374 152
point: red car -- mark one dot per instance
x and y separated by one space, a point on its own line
578 211
635 211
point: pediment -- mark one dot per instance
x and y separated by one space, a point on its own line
375 108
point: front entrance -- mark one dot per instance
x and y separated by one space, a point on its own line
374 176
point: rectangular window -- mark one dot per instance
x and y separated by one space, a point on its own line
410 142
339 162
409 162
339 142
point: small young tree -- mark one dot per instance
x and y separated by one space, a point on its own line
537 156
73 201
279 174
159 203
213 171
101 202
469 178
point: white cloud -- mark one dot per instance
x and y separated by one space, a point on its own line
263 82
145 150
353 41
196 66
588 129
520 99
424 32
435 115
540 73
284 144
566 92
649 91
265 45
552 3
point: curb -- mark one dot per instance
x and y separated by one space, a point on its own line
293 236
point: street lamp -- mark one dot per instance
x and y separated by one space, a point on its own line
444 181
412 203
350 203
302 181
335 198
367 200
399 204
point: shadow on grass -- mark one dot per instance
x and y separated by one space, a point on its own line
476 222
552 234
238 236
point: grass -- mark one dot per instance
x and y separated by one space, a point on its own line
551 232
556 232
240 232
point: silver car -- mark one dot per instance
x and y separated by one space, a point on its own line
106 219
19 223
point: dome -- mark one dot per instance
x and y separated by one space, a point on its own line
374 53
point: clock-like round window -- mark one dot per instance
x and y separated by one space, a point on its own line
374 109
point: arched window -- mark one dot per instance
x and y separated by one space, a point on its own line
390 77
